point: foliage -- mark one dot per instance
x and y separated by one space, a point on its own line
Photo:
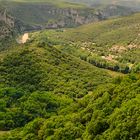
38 80
45 68
110 112
50 88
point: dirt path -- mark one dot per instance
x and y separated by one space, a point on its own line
24 38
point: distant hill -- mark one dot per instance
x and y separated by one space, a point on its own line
128 3
58 14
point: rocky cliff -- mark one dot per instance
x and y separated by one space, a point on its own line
6 24
45 15
50 16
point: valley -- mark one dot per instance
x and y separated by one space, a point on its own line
107 44
69 70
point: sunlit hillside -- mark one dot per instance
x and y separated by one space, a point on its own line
69 70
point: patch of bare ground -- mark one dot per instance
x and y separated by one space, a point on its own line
118 49
87 46
110 58
121 49
132 46
25 37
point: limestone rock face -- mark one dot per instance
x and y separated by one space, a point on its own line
69 17
50 16
7 24
4 16
40 16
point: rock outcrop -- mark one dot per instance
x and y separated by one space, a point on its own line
50 16
36 16
7 24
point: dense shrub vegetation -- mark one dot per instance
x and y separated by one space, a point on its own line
45 68
61 84
109 112
47 94
37 81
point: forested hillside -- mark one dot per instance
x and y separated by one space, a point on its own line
78 83
39 67
48 94
109 112
6 27
36 72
